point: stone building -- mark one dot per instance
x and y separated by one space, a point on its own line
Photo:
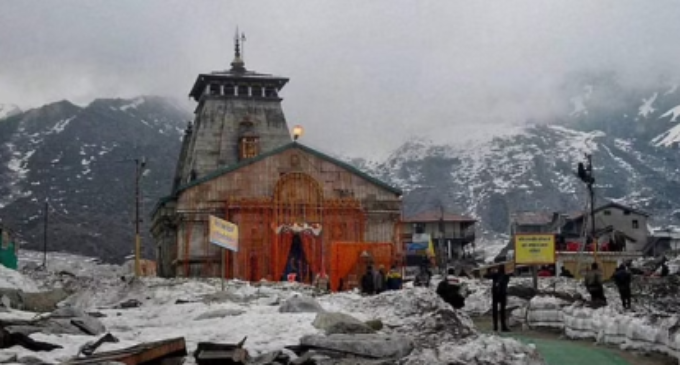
297 208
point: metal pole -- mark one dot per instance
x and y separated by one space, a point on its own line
45 235
223 253
137 238
591 190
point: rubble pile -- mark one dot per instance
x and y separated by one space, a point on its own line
440 334
107 316
657 294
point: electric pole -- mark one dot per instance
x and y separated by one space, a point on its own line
139 168
585 173
47 207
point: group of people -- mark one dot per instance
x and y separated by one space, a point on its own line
378 281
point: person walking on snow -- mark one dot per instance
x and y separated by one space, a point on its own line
451 290
623 278
499 296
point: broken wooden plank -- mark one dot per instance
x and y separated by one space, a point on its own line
141 354
209 353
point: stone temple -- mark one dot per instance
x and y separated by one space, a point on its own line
298 210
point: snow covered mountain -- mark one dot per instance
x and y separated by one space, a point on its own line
633 136
82 160
8 110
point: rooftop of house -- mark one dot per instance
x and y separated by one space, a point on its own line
532 218
436 216
613 205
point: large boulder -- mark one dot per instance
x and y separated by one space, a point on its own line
66 320
13 297
300 304
39 302
364 345
334 322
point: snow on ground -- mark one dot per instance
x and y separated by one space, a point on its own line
11 279
171 307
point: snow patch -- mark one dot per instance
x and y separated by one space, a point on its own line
673 113
133 104
12 279
667 138
646 108
60 126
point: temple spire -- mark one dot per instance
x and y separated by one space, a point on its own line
238 64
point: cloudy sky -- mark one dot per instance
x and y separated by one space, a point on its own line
365 76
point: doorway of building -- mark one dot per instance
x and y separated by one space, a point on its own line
296 261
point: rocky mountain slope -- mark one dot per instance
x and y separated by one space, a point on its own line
632 135
82 160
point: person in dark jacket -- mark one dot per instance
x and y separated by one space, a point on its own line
623 279
394 279
664 270
499 296
450 290
566 273
593 281
368 282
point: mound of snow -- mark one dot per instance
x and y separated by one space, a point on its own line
479 350
12 279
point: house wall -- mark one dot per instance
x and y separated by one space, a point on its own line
625 223
451 229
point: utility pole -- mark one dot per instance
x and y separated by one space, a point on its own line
44 264
139 168
585 173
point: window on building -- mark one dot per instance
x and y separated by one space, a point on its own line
419 228
250 147
626 212
215 89
243 90
607 212
270 92
636 224
257 91
229 90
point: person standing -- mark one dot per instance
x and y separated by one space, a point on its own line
423 277
380 278
368 282
593 281
451 290
623 279
499 296
394 279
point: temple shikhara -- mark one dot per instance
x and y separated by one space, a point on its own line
297 209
